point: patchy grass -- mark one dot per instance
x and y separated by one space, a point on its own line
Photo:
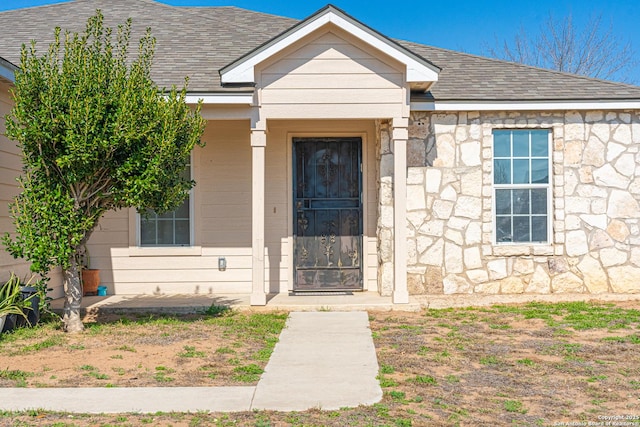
134 347
527 365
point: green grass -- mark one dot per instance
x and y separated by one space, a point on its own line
162 374
578 315
526 362
191 352
424 379
386 382
452 379
386 369
631 339
489 360
19 377
398 396
514 406
247 373
217 310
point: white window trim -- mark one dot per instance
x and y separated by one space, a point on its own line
524 245
191 224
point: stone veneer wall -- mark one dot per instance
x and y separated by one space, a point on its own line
384 160
596 215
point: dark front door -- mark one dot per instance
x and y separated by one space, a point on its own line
327 206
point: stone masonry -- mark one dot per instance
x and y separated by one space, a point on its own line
596 211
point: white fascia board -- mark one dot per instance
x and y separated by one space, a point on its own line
221 98
244 71
524 105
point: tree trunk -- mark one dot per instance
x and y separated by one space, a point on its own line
72 298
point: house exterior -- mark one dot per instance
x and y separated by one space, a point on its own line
338 159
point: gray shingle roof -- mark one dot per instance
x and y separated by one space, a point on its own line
191 41
199 41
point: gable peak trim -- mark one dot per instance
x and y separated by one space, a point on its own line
242 71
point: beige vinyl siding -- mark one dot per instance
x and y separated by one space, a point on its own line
222 221
332 75
10 169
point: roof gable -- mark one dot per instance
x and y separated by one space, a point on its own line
419 72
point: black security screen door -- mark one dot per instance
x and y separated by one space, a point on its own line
327 213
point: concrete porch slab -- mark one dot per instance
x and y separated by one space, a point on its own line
358 301
193 303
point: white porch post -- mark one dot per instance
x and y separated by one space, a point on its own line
400 136
258 144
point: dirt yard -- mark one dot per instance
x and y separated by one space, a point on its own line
537 364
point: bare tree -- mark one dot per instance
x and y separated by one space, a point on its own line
593 51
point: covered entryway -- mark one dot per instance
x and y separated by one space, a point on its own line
319 79
327 199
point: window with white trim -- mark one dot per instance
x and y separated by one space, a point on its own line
522 185
170 228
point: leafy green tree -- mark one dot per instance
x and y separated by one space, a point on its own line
96 134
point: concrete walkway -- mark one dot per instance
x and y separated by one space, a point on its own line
323 360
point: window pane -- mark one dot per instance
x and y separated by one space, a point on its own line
147 231
502 172
182 232
540 143
170 228
521 229
503 229
502 143
521 172
539 229
539 171
521 202
520 143
503 202
182 212
522 211
165 232
166 215
539 201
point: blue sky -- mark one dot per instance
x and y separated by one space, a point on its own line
463 25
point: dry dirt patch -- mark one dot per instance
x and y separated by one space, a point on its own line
151 351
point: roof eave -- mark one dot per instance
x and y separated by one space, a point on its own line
525 105
7 70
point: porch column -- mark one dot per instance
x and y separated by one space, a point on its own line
258 144
400 136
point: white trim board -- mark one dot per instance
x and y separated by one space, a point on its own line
525 105
248 99
220 98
